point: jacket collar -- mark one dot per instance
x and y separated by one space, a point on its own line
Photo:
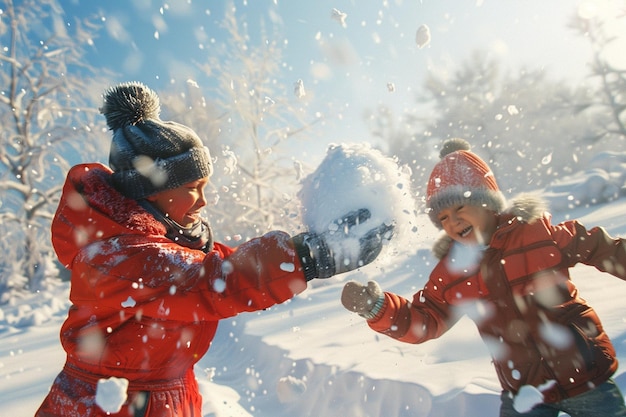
93 183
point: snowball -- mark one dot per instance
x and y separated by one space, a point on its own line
111 394
353 177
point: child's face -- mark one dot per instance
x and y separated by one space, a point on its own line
469 225
182 204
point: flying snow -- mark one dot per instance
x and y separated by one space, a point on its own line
463 257
289 388
150 169
229 160
339 16
298 89
129 302
422 36
111 394
529 396
287 267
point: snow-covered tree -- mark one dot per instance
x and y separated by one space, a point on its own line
610 99
525 125
46 123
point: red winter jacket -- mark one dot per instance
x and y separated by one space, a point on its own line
527 310
145 308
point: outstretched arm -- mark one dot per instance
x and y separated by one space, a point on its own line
593 247
425 318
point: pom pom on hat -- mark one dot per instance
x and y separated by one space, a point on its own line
461 178
129 104
453 145
149 155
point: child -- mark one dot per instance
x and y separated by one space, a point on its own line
148 283
514 263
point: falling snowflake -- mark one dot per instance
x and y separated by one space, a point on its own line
422 37
229 161
339 17
219 285
546 159
287 267
297 165
512 110
298 89
129 302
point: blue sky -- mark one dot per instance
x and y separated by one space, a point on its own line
157 42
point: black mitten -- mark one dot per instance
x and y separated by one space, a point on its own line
337 250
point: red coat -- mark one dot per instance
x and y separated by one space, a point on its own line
143 307
526 308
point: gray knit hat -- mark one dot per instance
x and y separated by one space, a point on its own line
149 155
461 178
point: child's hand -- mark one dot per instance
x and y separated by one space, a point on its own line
338 250
365 300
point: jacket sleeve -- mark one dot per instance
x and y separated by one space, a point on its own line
427 317
259 274
160 279
594 247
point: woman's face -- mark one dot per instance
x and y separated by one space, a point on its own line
469 225
182 204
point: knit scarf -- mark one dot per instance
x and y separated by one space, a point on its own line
198 236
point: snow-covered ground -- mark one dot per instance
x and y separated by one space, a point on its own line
311 357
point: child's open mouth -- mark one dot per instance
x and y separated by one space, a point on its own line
465 232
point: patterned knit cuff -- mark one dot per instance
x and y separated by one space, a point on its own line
303 251
378 305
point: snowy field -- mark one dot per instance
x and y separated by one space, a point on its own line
311 357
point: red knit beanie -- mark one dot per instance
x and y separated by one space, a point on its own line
461 178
